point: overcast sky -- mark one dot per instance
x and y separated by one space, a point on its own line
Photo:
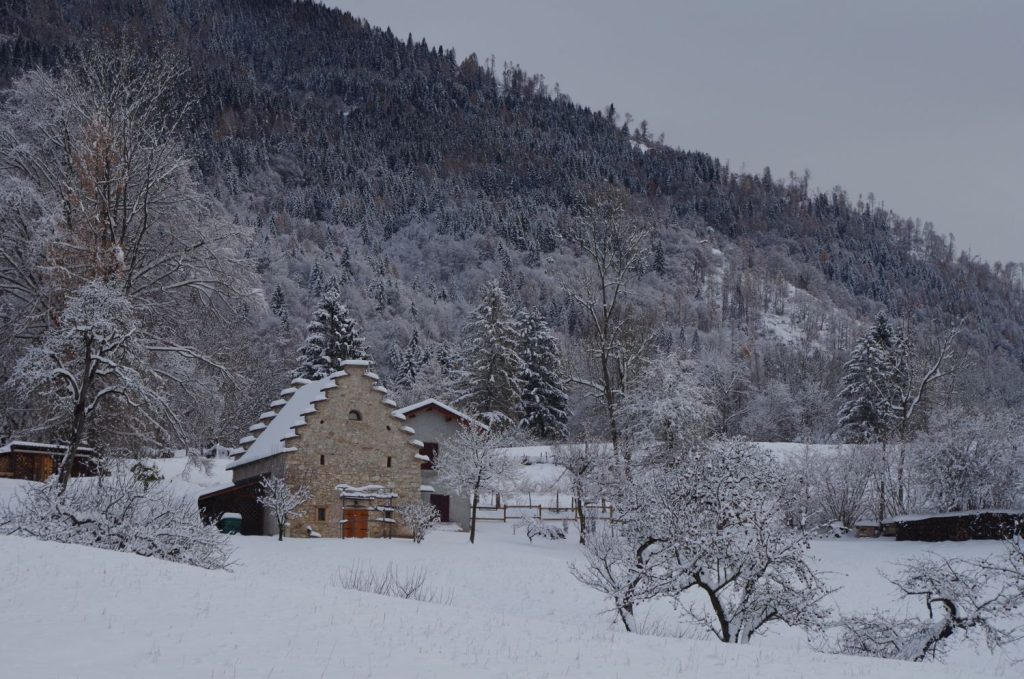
920 102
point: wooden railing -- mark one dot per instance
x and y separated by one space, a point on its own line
540 512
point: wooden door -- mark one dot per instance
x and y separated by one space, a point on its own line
357 524
443 506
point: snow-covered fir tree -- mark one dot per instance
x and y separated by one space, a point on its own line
488 384
411 361
871 379
278 306
331 337
542 409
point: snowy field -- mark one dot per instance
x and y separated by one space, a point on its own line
515 611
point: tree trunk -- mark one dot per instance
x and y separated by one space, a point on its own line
78 422
280 532
627 617
882 471
472 518
581 515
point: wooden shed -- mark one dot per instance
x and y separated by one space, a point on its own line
33 461
982 524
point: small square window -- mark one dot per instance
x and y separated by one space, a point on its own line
389 461
321 513
322 460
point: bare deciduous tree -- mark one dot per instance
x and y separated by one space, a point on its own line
615 247
962 596
472 462
281 501
102 196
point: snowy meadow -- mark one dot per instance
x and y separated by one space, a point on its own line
510 608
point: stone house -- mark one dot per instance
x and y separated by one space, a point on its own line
434 422
334 436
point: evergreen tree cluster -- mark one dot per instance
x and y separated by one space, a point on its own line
511 371
871 379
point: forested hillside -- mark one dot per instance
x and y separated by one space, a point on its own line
411 177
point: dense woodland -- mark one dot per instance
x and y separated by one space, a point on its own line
329 155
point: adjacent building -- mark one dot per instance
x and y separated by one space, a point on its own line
434 423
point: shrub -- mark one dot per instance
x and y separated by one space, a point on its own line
123 513
389 581
537 528
420 517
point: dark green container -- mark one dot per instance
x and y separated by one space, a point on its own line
230 523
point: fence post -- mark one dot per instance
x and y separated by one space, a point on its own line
504 514
540 512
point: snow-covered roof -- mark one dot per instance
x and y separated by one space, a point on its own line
360 363
273 436
433 402
32 446
370 492
908 518
270 436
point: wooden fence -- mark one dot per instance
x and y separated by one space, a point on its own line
503 513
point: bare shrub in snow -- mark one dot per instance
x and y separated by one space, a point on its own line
965 598
122 513
534 528
281 501
823 488
390 581
420 517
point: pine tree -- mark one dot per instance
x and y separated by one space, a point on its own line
278 306
411 361
331 337
315 282
659 258
488 384
542 399
870 382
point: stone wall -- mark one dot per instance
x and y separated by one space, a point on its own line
355 452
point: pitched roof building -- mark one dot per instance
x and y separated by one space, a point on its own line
332 434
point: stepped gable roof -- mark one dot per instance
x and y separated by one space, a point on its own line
272 436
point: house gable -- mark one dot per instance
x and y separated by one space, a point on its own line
339 430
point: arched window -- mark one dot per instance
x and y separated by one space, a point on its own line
354 415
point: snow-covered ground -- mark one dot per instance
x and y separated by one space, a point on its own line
516 611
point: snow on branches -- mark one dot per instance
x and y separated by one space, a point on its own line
471 462
709 522
420 518
331 338
963 597
121 512
281 501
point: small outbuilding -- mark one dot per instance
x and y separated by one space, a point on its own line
32 461
981 524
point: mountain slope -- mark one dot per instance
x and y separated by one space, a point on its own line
413 177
